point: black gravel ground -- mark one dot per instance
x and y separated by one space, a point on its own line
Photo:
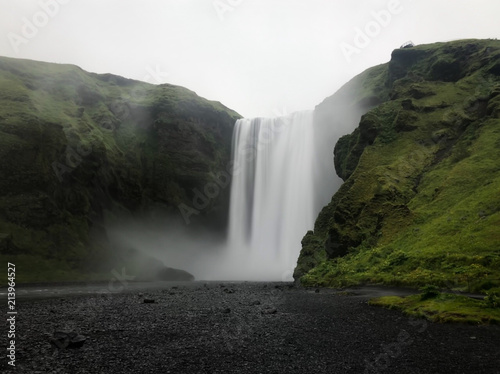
243 328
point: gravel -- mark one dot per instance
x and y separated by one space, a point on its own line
243 328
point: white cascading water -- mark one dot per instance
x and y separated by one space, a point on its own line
282 176
272 199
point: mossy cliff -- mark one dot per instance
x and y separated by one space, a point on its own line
77 147
420 202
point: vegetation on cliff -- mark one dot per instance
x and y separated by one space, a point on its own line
77 148
421 199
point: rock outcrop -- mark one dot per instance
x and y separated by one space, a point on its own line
77 149
420 200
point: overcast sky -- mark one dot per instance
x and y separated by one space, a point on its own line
258 57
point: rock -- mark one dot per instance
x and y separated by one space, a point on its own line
227 310
316 290
148 268
269 310
67 339
255 302
149 301
171 274
228 290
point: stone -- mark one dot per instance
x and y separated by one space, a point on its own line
67 339
269 310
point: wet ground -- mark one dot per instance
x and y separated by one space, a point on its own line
224 327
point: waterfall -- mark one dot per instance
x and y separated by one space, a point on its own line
272 194
283 174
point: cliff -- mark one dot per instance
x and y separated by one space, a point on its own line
420 202
78 150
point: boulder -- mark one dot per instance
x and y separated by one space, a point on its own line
67 339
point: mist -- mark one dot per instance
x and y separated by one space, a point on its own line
276 228
204 254
336 116
173 243
290 62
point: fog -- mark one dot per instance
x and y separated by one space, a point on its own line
258 57
278 191
335 117
203 254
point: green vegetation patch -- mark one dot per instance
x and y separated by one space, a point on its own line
420 203
445 307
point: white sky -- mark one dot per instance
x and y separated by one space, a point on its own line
258 57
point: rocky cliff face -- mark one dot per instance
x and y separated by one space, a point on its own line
78 148
420 201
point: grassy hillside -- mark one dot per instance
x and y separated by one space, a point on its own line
421 199
77 147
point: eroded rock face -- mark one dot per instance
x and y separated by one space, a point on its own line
438 120
75 145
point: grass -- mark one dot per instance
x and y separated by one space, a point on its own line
420 203
443 307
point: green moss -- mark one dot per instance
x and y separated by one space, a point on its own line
73 144
420 200
444 307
